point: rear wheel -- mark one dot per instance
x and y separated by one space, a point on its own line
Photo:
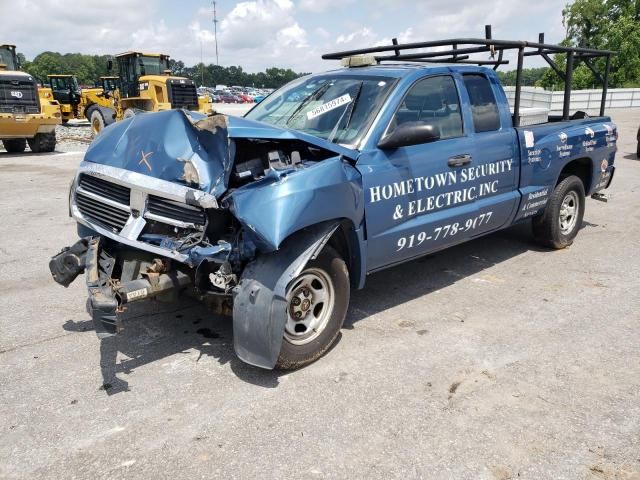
562 218
15 145
97 121
43 142
317 302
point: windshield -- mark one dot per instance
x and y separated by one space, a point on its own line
109 84
64 84
337 108
152 65
6 57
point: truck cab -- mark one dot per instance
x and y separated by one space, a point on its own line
108 83
66 91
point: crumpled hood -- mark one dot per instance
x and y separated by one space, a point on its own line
169 145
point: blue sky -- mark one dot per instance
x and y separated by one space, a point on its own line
263 33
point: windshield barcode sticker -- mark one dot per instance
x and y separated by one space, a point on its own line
327 107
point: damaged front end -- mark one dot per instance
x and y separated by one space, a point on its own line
172 203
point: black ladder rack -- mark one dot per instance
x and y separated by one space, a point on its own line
460 49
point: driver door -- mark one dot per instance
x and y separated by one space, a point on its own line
61 89
415 199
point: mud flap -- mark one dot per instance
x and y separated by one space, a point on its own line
259 304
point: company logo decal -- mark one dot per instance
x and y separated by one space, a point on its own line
16 94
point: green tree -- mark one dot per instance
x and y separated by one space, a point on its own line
88 68
530 76
609 25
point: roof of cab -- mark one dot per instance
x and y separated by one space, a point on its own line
399 70
145 54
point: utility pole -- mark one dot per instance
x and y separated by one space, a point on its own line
201 63
215 29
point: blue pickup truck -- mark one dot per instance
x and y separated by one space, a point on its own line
273 218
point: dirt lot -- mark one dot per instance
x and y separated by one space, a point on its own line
494 360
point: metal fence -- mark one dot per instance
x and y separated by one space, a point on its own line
586 100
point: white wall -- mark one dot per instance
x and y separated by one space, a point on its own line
586 100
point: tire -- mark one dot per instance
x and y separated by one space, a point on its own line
43 142
129 112
15 145
562 218
97 121
302 347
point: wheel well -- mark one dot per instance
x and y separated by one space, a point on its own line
581 168
345 242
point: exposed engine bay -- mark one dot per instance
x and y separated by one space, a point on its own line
254 158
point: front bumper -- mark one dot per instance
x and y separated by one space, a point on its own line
108 295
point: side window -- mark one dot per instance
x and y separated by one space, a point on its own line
483 103
433 101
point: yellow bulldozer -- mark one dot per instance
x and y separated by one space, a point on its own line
77 103
27 114
145 84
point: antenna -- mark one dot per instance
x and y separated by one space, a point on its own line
215 29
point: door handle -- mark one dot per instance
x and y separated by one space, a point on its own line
459 160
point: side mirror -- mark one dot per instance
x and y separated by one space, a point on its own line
109 65
410 133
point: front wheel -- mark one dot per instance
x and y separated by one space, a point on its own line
43 142
317 302
562 218
15 145
97 121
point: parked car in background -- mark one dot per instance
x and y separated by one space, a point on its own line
229 98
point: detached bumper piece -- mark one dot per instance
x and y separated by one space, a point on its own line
69 263
102 304
108 295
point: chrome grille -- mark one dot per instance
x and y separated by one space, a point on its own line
105 189
106 215
174 210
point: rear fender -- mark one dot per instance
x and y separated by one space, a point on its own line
259 303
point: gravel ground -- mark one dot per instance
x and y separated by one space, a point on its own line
493 360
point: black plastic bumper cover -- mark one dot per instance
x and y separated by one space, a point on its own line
259 304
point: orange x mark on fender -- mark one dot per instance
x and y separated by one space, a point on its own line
144 157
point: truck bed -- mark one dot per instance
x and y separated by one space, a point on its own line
588 144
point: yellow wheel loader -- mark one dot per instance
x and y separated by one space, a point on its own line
76 103
145 84
27 114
